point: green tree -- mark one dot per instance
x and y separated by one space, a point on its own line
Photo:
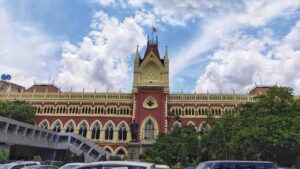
80 158
37 158
68 157
18 110
267 129
182 145
4 155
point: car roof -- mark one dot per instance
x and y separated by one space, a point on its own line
237 161
24 162
142 164
75 164
161 165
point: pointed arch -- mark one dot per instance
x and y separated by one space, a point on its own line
109 128
109 121
191 123
57 125
176 123
108 149
123 121
83 127
56 121
147 131
151 60
44 123
80 123
94 122
70 126
204 127
69 121
96 127
123 129
121 148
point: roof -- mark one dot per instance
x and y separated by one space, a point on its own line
142 164
237 161
41 88
259 90
152 47
3 82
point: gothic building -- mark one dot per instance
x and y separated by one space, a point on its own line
105 118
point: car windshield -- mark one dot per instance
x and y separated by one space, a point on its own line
31 167
69 166
5 166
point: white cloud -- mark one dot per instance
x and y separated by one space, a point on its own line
215 29
242 60
26 53
145 18
173 12
100 60
293 38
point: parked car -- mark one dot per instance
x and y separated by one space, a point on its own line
158 166
118 165
19 164
237 165
71 165
40 167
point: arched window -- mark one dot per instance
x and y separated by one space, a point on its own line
70 128
108 150
123 132
203 128
109 132
121 153
149 130
96 131
83 130
57 127
44 125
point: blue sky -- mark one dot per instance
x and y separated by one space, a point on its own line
214 46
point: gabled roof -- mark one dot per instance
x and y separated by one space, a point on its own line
152 47
40 88
259 90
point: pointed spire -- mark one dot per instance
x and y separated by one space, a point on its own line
137 54
166 53
148 40
166 57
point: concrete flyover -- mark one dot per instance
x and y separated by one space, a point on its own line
48 144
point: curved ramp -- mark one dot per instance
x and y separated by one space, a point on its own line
13 132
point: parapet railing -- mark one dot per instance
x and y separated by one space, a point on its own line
72 96
209 98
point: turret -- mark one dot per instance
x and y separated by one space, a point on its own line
166 57
137 57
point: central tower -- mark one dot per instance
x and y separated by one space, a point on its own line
151 88
151 70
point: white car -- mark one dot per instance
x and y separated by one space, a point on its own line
19 164
158 166
71 165
118 165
